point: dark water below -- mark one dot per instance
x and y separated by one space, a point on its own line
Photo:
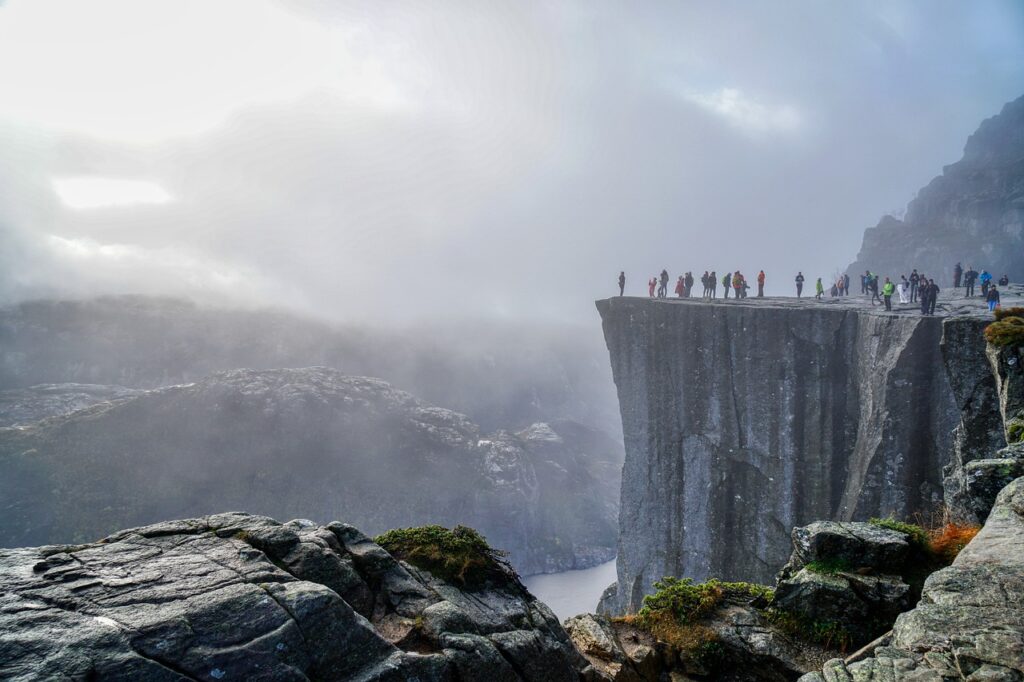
572 592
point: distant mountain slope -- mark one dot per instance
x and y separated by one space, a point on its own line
972 213
501 374
310 443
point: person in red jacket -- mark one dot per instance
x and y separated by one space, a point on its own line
650 285
760 284
680 287
737 283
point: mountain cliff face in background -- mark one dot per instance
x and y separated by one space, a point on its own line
310 443
972 213
502 375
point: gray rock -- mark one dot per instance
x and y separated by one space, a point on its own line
858 545
20 407
969 623
233 596
971 213
745 419
310 443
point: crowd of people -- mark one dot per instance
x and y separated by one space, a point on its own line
917 288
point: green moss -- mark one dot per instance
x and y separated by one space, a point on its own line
828 634
688 602
1015 431
1007 331
460 555
829 566
918 536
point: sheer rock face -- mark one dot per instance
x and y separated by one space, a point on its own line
743 420
310 443
969 624
972 213
239 597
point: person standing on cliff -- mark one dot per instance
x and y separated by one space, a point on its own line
760 284
799 284
737 284
846 284
933 296
986 281
650 285
704 281
726 283
819 289
923 294
993 298
970 278
688 281
622 282
680 287
713 282
873 288
902 288
663 285
958 272
888 289
915 282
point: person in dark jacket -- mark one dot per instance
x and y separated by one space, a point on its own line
799 284
958 272
622 282
970 278
663 284
714 284
873 288
846 284
707 287
993 298
689 284
915 285
933 296
1004 280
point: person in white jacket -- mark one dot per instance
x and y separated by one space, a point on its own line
903 288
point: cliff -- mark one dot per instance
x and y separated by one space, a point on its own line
240 597
309 443
972 213
742 420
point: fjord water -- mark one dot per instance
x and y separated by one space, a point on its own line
572 592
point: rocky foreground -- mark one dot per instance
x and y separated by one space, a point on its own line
239 597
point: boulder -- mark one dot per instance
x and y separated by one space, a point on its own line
235 596
969 623
856 545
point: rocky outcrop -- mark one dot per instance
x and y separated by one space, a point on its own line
846 576
972 213
501 374
969 624
310 443
239 597
744 419
20 407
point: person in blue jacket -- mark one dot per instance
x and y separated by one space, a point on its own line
986 282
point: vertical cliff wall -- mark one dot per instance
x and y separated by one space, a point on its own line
743 420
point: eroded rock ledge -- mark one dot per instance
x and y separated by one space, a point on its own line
240 597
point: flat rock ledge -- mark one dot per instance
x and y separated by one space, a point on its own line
240 597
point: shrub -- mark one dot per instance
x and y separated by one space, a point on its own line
1015 431
460 555
946 542
1002 313
671 613
1008 331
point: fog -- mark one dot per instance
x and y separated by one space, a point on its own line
394 161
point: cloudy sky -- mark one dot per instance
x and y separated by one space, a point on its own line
394 160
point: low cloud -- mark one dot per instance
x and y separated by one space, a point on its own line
748 115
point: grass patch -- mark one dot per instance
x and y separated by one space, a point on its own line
1007 331
827 634
829 566
460 555
1015 431
917 535
934 548
946 542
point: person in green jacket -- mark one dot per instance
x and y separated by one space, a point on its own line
819 289
888 289
727 283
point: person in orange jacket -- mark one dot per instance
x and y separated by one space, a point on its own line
760 284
